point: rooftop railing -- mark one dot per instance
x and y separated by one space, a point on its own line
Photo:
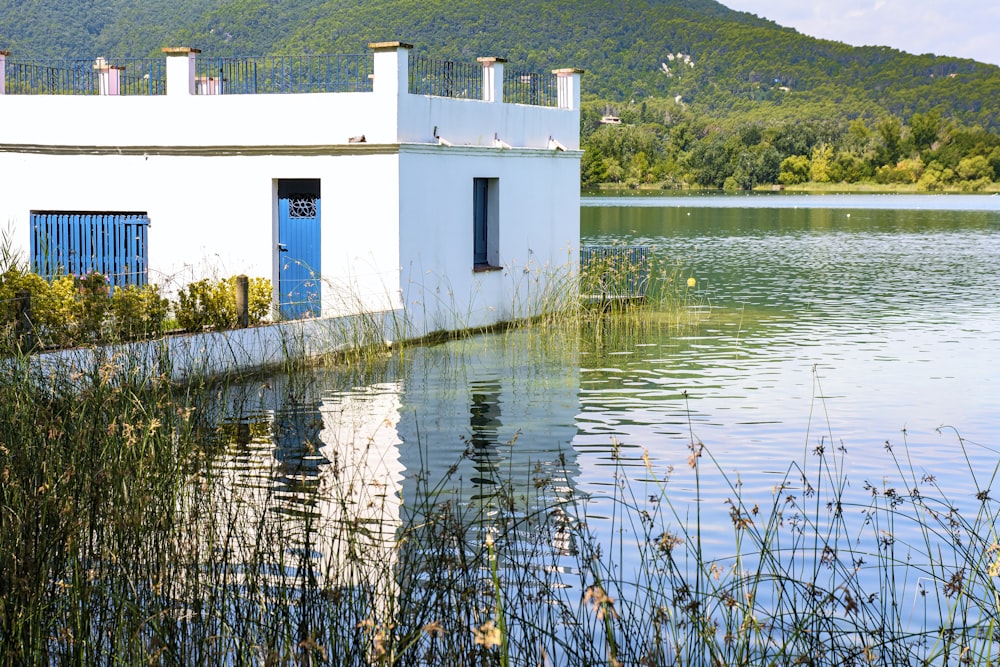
535 88
444 78
114 76
338 73
486 80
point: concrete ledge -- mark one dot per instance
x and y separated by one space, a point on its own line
211 356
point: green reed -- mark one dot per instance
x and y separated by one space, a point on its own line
89 462
611 300
810 577
125 539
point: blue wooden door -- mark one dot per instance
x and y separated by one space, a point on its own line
299 269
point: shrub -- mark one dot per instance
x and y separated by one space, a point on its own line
53 306
137 312
212 304
794 170
260 300
92 306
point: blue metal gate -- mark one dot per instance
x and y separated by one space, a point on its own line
299 249
78 243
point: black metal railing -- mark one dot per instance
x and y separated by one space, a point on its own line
270 75
135 76
535 88
444 78
337 73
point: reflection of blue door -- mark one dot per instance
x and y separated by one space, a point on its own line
299 248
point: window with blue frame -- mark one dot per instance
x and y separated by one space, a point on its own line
78 243
485 223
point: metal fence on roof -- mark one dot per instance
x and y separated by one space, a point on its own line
535 88
444 78
337 73
134 76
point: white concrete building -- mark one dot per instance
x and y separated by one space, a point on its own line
422 192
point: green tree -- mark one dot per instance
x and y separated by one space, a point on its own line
757 165
975 168
794 170
710 162
614 170
593 168
819 164
890 130
924 129
848 168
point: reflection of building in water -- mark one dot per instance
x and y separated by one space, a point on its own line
339 487
496 419
360 489
485 424
309 492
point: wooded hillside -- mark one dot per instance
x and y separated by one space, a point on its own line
696 81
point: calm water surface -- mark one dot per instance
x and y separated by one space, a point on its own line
856 321
847 323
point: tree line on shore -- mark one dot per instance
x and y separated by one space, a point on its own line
660 143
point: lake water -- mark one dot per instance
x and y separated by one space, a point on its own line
856 324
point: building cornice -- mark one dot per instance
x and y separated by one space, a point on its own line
327 149
491 151
202 151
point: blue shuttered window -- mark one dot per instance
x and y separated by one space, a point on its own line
78 243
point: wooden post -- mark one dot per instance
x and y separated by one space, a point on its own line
242 302
22 319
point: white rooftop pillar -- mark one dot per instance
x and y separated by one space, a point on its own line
492 78
569 87
392 68
390 86
3 71
109 77
208 85
180 69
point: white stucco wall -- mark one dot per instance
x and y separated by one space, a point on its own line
396 210
215 215
478 123
538 225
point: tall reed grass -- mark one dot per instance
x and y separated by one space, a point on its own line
91 465
126 538
147 523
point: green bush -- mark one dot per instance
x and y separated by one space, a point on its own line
212 303
78 310
260 300
92 306
137 312
53 306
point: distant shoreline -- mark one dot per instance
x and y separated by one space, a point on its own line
801 188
